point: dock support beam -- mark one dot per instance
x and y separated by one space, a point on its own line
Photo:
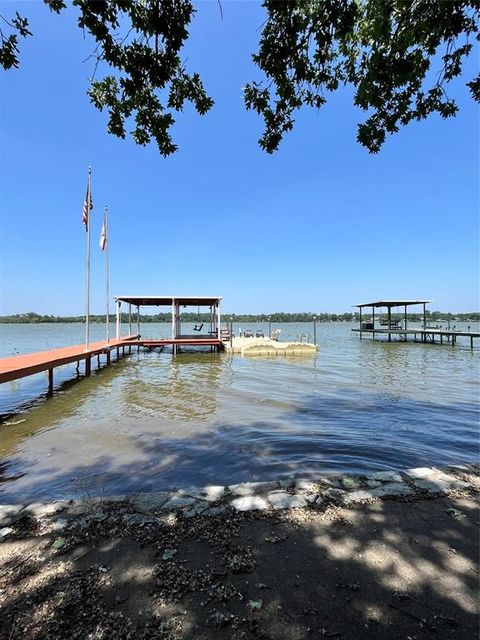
88 366
50 383
118 319
108 357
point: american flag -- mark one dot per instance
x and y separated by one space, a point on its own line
86 208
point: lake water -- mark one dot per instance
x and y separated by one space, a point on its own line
154 421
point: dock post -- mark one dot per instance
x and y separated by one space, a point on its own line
471 342
441 338
50 383
108 358
88 366
118 353
118 329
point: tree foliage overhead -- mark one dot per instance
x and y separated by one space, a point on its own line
383 48
387 50
140 42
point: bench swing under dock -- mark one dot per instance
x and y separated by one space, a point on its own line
207 333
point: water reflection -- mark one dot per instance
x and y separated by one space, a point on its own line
154 420
181 387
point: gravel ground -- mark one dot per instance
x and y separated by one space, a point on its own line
399 568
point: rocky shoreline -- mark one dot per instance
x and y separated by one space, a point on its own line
270 496
383 556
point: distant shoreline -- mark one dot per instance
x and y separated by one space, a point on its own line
278 317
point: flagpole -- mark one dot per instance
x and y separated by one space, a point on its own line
107 240
87 294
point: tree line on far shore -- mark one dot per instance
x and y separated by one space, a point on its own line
432 316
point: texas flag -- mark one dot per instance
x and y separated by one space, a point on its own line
103 236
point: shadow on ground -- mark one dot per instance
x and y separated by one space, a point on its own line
386 570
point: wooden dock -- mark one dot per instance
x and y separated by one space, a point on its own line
433 336
175 343
394 327
29 364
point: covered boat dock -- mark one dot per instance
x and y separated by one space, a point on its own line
388 326
205 333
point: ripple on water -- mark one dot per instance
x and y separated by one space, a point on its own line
157 421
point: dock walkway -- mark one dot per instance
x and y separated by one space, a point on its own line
425 335
28 364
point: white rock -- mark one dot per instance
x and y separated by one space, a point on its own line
283 500
373 484
211 493
356 496
253 488
305 485
386 476
5 532
80 508
41 509
58 525
435 481
393 489
287 483
249 503
178 501
435 488
9 513
148 502
428 473
334 494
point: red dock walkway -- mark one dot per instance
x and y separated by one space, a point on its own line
176 342
30 363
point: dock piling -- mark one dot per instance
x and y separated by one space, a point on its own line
50 383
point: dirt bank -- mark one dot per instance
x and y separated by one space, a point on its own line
388 568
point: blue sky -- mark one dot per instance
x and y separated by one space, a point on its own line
318 226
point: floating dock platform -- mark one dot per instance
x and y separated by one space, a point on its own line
268 347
